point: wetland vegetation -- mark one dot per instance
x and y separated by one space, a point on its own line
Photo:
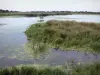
65 35
93 69
50 37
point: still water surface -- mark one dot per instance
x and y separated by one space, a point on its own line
13 40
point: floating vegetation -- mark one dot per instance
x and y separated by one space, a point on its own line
18 52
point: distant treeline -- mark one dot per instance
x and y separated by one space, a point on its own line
43 13
69 12
2 11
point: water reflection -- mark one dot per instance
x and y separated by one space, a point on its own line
1 24
59 57
4 62
37 50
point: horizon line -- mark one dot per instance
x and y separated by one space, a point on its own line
50 10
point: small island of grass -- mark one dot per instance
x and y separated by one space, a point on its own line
65 35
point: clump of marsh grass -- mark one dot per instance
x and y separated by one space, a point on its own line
93 69
32 70
66 35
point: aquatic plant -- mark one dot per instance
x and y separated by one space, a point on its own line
66 35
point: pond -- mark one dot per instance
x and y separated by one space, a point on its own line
13 40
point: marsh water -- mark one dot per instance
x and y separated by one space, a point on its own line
13 40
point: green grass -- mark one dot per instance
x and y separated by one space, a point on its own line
66 35
93 69
32 70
